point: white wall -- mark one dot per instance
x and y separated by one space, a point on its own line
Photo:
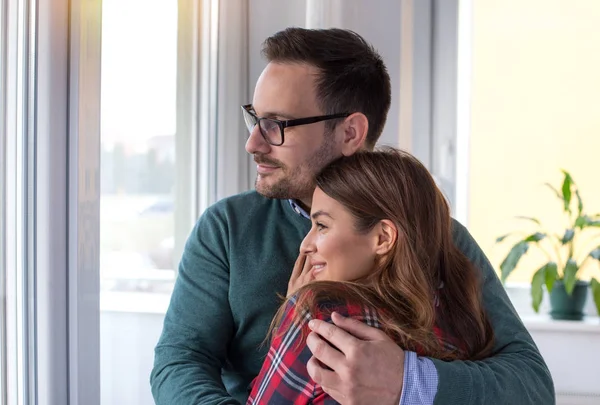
127 341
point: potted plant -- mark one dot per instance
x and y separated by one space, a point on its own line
565 255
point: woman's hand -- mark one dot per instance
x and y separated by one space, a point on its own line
301 275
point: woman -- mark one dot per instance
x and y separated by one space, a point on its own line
380 250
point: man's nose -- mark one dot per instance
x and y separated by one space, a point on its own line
256 143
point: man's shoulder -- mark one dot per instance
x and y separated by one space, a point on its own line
237 214
458 229
247 207
465 242
461 236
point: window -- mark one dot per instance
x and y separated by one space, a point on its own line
139 76
534 111
140 175
170 89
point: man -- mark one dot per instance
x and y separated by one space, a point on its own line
323 94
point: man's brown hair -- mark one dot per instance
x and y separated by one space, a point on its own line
353 76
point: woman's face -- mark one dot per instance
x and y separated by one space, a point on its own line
335 250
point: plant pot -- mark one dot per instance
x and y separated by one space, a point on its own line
565 306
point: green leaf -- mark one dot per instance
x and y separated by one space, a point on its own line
580 222
536 237
501 238
585 221
595 254
537 291
566 190
579 202
513 257
537 221
551 275
568 236
595 286
570 275
560 197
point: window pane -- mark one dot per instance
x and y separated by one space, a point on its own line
139 78
535 111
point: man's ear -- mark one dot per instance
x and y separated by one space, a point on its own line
355 127
387 235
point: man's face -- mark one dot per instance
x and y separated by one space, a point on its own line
284 92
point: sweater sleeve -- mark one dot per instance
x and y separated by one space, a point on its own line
198 325
516 373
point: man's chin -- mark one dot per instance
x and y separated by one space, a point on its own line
263 188
281 189
267 189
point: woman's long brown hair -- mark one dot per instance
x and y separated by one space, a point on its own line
425 281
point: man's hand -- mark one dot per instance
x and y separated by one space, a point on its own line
367 369
301 274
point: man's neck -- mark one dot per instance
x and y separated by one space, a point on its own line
304 203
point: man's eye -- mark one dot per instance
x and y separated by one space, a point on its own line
269 126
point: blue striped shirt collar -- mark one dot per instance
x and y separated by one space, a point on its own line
299 210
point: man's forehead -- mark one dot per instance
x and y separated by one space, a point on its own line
286 90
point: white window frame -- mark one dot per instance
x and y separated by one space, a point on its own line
3 197
416 60
67 206
52 203
232 92
17 224
444 101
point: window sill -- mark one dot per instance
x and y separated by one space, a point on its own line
544 323
520 296
134 302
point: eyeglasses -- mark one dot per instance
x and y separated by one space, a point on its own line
272 129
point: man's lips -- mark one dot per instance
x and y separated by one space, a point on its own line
264 169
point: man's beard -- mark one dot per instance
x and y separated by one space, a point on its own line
300 182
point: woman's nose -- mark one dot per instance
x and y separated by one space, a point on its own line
307 246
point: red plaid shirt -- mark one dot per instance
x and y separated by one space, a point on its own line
283 378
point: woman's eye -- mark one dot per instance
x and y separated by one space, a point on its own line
320 226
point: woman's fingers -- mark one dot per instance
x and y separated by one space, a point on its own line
298 267
301 274
307 266
298 274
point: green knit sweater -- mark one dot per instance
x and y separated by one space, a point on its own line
240 254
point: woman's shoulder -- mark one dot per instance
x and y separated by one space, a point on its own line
323 307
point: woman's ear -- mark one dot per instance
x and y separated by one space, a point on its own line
387 235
